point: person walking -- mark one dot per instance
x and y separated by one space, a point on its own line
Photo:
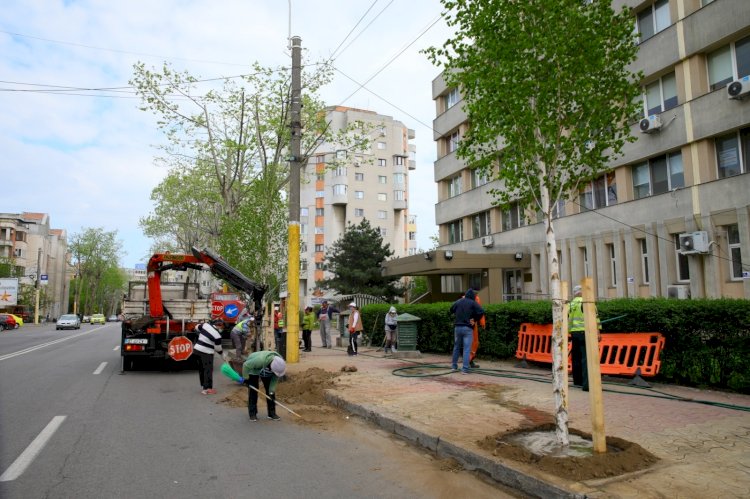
325 314
239 335
308 323
355 328
266 366
467 312
578 336
208 343
391 329
475 335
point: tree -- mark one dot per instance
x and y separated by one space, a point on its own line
548 81
99 282
355 260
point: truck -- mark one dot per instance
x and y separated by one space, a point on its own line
155 312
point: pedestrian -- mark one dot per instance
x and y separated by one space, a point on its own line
391 329
308 323
239 335
208 343
467 312
325 314
266 366
355 328
278 325
475 335
578 344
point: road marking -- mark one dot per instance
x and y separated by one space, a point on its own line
116 348
49 343
29 454
100 368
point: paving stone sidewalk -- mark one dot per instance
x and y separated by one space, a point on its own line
704 450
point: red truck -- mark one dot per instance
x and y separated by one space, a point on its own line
165 310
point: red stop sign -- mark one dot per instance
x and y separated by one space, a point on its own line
217 308
180 348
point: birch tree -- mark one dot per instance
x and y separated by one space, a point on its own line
548 96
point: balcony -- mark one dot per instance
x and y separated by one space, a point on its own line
400 204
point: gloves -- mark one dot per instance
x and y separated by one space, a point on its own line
241 381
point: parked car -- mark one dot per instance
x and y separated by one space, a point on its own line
68 321
113 318
86 318
7 321
19 320
97 319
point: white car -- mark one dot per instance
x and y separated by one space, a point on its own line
68 321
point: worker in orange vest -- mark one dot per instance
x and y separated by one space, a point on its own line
475 341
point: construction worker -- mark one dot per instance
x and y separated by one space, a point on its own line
239 335
267 366
467 312
475 339
578 337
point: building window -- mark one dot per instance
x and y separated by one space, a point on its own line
320 176
319 266
382 196
320 248
729 62
320 194
321 158
319 212
303 229
319 230
412 236
359 194
451 98
478 179
559 209
382 162
455 232
303 212
644 262
452 141
339 171
303 265
382 179
341 154
398 160
357 160
612 265
359 212
399 195
683 268
382 214
480 224
661 95
599 193
381 145
454 186
733 153
359 177
450 284
18 253
303 247
653 19
513 217
586 266
658 175
339 189
475 281
383 231
21 236
733 236
398 178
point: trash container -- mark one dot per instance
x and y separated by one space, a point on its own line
407 336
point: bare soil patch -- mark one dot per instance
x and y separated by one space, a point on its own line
621 456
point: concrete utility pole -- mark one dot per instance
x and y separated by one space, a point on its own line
292 309
36 284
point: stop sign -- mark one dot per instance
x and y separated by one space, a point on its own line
216 308
180 348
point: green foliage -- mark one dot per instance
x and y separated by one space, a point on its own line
8 268
355 260
98 283
707 342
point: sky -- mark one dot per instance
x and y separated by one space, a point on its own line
87 157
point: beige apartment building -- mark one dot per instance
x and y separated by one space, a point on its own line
671 217
35 248
343 185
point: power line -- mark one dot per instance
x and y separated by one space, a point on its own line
364 29
333 54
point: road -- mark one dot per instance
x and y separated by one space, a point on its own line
73 425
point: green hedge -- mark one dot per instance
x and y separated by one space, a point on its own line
707 341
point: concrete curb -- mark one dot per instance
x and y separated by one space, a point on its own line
472 461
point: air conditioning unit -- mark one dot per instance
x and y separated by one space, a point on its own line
739 89
692 243
488 241
650 124
681 292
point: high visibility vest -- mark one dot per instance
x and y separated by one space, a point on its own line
575 316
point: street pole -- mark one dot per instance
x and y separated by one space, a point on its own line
292 309
36 284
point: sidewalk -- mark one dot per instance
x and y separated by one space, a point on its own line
704 450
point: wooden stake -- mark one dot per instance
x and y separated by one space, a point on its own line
594 372
565 355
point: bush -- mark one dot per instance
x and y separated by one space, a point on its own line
707 341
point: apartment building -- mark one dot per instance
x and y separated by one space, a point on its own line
671 217
344 184
36 249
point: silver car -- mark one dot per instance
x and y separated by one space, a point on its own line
68 321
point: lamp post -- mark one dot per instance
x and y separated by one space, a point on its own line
36 284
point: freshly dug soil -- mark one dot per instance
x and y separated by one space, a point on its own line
621 456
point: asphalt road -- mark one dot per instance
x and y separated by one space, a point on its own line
73 425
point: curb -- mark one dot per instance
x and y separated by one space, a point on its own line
507 475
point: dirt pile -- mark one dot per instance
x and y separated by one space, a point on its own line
621 456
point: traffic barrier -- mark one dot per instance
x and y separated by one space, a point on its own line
619 353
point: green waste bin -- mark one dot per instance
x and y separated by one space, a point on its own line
407 336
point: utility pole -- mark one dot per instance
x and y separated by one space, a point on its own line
292 286
36 284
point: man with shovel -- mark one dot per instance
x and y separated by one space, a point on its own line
267 366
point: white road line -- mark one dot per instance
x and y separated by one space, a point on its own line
116 348
35 447
49 343
100 368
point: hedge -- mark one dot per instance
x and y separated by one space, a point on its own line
707 340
